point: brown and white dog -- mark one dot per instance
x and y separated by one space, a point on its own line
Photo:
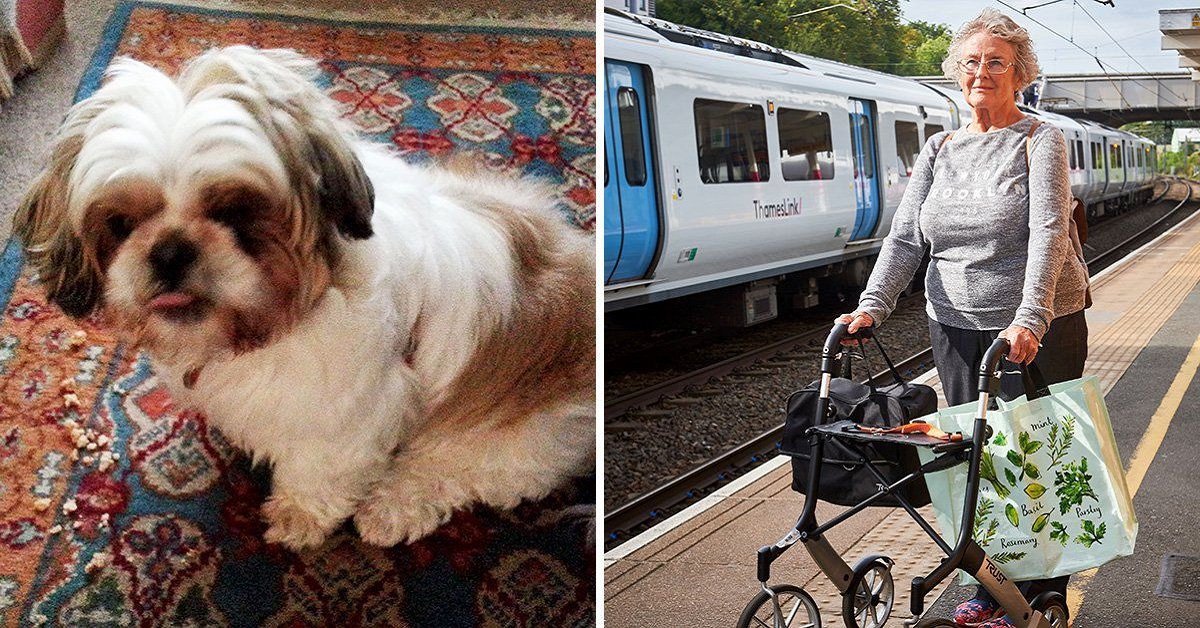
397 342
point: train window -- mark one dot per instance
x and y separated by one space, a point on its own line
731 139
1097 156
1071 155
933 129
1114 155
805 145
907 146
629 115
1079 153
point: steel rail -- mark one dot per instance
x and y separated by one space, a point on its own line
651 394
1095 261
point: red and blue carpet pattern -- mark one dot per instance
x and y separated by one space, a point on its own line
119 508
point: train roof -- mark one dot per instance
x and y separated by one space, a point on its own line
866 81
965 114
1054 118
700 38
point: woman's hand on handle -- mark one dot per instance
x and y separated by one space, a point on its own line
856 321
1023 344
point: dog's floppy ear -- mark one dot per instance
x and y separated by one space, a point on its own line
309 135
71 278
346 195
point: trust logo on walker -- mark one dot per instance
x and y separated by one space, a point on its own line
782 209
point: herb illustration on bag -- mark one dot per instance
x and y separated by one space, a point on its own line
982 514
1059 533
1004 557
1072 484
1010 511
987 471
1020 459
1091 533
1059 442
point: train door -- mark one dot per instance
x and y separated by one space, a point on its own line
866 179
630 200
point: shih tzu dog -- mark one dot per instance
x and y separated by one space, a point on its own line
398 342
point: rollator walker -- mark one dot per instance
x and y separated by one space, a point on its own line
868 591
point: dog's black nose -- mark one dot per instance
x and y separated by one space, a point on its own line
171 257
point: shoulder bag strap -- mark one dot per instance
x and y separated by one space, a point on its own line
939 148
1034 381
862 354
1029 140
891 367
1077 225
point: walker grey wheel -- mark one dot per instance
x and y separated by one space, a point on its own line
1053 608
797 608
868 602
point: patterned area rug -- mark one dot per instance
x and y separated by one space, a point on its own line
118 508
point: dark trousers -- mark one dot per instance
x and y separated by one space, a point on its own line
957 354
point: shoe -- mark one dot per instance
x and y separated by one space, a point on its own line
999 622
974 611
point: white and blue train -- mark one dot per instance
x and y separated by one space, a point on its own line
739 169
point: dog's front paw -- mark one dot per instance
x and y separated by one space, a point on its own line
386 523
290 525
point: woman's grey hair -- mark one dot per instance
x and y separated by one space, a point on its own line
1025 65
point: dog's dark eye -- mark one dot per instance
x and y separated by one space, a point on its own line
120 226
229 215
238 218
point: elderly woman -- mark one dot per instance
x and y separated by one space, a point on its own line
995 221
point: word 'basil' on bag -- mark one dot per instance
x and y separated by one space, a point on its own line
1052 494
845 480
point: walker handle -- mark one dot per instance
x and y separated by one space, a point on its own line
833 343
989 369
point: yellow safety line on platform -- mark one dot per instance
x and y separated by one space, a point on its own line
1146 450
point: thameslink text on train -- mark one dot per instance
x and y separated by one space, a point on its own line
782 209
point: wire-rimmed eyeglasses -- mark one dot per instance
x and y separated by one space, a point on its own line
993 66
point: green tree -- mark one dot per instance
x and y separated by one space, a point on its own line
926 58
873 37
760 20
1184 163
1157 131
929 30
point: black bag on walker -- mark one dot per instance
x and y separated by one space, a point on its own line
844 478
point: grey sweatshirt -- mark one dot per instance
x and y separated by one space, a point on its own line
996 231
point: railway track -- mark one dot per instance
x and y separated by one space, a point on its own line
651 506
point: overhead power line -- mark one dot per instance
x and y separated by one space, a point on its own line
1114 40
1038 6
834 6
1098 60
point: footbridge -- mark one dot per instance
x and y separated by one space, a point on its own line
1113 99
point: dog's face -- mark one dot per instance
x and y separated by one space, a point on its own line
204 215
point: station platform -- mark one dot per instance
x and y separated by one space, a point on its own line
697 568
